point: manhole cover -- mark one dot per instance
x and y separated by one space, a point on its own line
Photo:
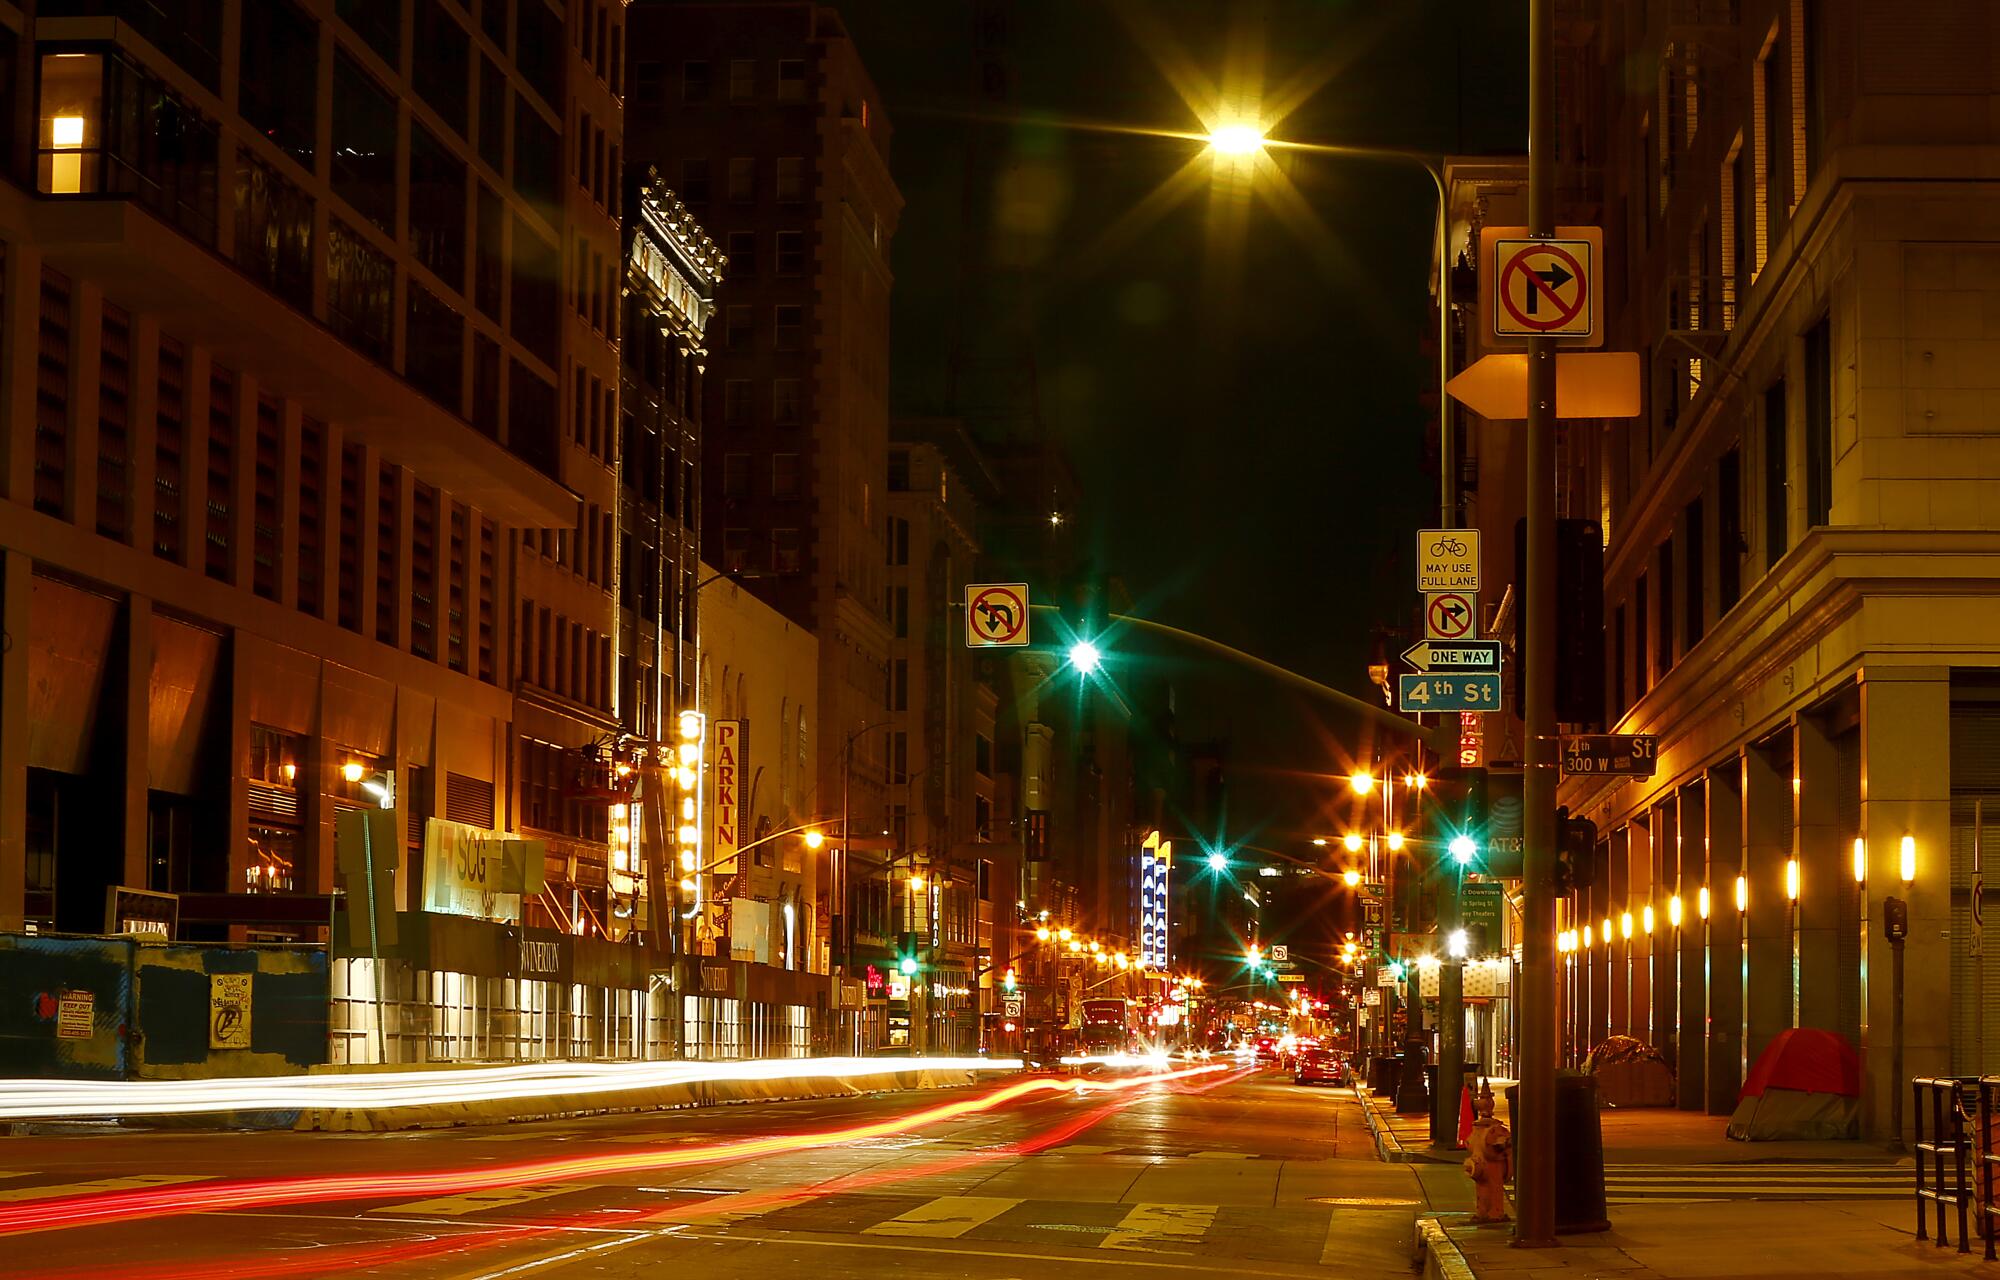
1364 1202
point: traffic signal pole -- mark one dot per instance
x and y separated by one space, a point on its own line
1534 1127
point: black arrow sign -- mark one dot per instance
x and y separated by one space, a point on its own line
1555 277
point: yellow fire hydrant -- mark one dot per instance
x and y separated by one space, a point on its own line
1487 1161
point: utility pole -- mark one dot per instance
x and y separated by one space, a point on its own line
1535 1127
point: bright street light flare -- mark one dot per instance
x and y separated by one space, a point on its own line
1218 862
1084 656
1236 140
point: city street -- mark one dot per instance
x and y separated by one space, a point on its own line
1235 1173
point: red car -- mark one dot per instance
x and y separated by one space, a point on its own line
1316 1065
1267 1050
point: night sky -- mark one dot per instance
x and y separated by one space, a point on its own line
1242 393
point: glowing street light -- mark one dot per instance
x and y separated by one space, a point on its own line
815 839
1352 840
1085 657
1350 877
1236 140
1361 781
1908 866
1395 841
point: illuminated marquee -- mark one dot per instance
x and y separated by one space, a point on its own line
1155 866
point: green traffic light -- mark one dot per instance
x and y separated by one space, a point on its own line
908 965
1085 657
1218 861
1463 849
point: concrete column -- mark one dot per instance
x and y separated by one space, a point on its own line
1692 980
1824 862
1906 791
15 571
1725 936
134 686
1767 843
20 348
1618 960
1639 948
1665 952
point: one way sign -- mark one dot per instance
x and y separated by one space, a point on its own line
1461 655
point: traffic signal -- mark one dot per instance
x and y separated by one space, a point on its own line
1008 982
1576 851
1579 615
907 951
1480 815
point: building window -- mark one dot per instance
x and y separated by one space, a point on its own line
791 179
899 685
735 475
424 572
785 478
1818 374
380 23
349 586
364 142
279 75
1617 664
790 322
791 80
267 467
312 515
736 329
444 52
388 551
899 471
787 551
741 179
1769 100
898 540
492 115
1729 530
1666 611
434 349
114 437
694 181
1642 671
736 402
786 395
694 81
791 253
219 524
649 83
1696 570
982 755
742 79
735 550
437 207
899 611
360 288
742 250
274 226
1777 479
170 451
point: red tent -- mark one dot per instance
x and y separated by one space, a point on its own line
1805 1060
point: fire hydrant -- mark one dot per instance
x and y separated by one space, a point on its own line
1487 1161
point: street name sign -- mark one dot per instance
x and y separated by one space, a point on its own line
1540 286
1427 692
1291 977
1623 755
1448 560
996 615
1462 655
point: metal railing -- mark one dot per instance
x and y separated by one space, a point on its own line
1989 1161
1948 1150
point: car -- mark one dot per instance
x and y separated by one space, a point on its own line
1316 1065
1267 1050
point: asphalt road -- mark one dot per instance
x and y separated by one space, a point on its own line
1244 1175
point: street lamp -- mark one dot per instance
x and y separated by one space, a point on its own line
1350 877
1361 781
1237 140
1085 657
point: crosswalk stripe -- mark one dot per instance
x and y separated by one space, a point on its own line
136 1182
488 1198
944 1218
1147 1225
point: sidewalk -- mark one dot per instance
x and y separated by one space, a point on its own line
1686 1201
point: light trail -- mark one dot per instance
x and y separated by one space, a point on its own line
206 1197
22 1099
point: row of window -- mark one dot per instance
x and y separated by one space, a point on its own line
744 80
787 259
788 327
218 453
564 656
740 402
786 476
786 548
742 178
584 550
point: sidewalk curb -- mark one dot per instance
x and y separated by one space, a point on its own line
1385 1142
1438 1256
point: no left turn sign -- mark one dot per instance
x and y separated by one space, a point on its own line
1448 616
996 615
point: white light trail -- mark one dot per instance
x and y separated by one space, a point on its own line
22 1099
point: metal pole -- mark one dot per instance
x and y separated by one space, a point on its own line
845 928
1535 1131
1451 1014
1896 1045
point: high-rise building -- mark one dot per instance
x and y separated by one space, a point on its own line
282 359
763 119
1794 532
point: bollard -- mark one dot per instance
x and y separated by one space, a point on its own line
1941 1099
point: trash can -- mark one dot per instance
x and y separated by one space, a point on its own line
1413 1094
1579 1181
1382 1074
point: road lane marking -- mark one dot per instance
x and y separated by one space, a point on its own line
945 1218
136 1182
960 1251
476 1201
1149 1225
